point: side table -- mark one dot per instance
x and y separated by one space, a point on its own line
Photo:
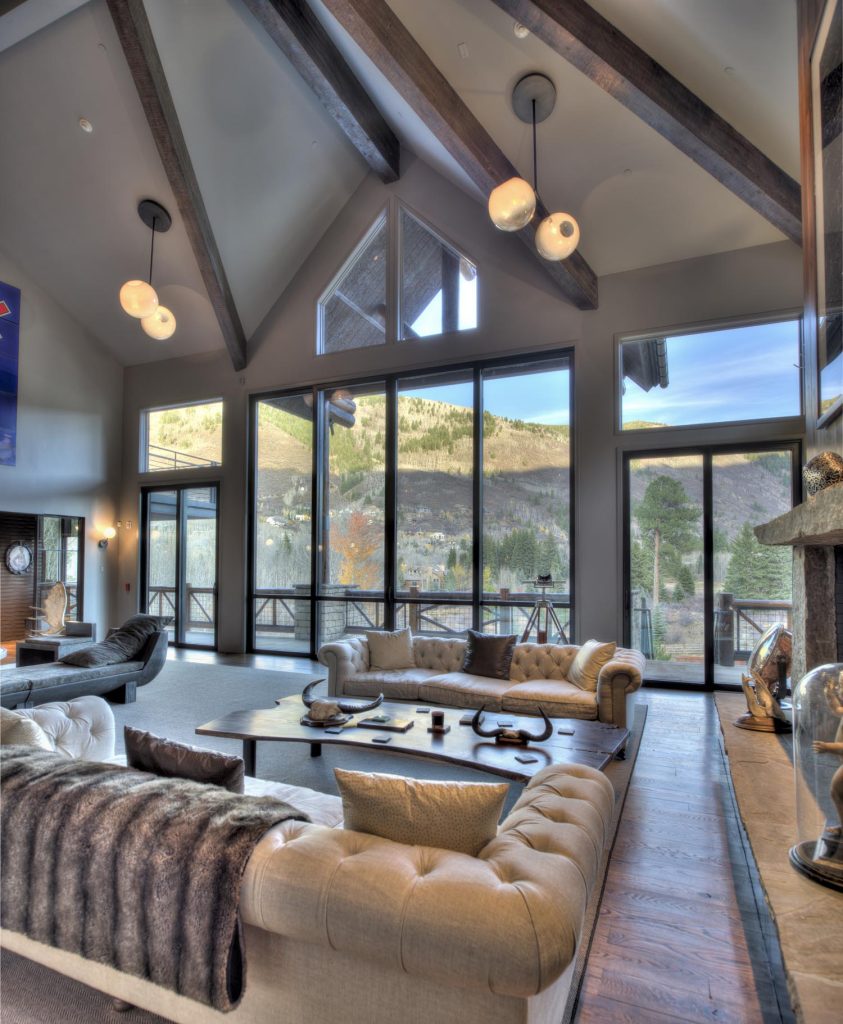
43 650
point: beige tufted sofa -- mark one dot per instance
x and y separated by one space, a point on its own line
342 926
538 677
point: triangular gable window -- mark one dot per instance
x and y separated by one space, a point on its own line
352 312
436 288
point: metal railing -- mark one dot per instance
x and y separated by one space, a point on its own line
201 605
158 457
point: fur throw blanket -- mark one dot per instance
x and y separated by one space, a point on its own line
138 872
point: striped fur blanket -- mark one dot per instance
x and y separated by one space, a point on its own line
138 872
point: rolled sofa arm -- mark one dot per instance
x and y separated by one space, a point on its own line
619 678
343 658
507 921
82 728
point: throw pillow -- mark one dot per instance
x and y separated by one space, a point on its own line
169 759
461 816
488 655
390 650
123 644
590 658
22 730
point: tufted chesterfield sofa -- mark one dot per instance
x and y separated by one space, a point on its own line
342 926
538 678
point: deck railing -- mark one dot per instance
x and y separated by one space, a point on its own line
201 605
158 458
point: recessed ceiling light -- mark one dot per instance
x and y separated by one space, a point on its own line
85 125
521 31
627 170
729 70
462 49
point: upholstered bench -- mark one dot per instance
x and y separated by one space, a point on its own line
345 926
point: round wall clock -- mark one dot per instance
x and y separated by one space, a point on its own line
19 558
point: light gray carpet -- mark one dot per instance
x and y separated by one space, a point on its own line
187 694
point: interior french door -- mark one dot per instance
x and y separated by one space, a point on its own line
179 560
699 588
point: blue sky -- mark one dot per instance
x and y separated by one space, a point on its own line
534 397
743 373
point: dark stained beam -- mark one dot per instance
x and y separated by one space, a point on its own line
612 61
141 53
297 32
386 42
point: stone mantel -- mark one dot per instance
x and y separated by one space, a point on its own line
817 522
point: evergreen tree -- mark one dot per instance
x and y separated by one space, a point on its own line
666 517
757 571
685 583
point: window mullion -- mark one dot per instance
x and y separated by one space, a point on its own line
477 504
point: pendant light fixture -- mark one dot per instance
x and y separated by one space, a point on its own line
512 205
138 298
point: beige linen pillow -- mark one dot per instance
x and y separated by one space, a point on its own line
591 657
22 730
461 816
390 650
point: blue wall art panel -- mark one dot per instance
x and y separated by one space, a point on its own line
9 337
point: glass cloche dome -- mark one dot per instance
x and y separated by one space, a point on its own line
818 765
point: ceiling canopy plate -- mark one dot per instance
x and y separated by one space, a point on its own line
154 215
538 87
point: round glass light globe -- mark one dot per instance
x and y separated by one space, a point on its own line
138 299
161 325
512 204
557 236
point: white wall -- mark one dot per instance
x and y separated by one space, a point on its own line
519 310
69 433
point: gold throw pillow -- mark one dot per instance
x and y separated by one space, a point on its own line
591 657
461 816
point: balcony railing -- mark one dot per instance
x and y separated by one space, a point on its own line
158 458
201 605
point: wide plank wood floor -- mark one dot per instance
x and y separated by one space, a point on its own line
680 937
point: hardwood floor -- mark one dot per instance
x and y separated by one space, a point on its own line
681 933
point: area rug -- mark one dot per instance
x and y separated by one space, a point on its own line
807 917
170 706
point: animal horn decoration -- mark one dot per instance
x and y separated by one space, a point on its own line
328 710
504 735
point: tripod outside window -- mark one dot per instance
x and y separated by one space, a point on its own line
543 615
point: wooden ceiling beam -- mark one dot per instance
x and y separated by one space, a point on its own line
379 33
297 32
621 68
141 53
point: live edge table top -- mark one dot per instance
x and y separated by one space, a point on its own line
591 743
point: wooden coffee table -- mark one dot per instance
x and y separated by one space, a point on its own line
591 743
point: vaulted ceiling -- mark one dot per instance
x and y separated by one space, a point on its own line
274 168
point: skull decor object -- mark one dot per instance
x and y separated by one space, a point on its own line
504 735
322 711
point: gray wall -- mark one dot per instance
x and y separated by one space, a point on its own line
520 310
69 433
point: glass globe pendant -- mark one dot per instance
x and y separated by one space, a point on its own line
160 325
512 205
557 236
138 299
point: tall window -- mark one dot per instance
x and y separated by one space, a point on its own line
439 499
726 375
181 437
433 290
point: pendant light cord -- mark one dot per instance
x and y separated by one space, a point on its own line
152 248
535 161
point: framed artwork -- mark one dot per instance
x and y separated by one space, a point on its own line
9 338
827 108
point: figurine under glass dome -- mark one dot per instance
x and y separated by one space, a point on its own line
818 764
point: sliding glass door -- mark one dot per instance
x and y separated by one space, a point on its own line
434 501
700 589
179 556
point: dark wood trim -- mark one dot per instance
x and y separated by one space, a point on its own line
297 32
144 62
621 68
383 38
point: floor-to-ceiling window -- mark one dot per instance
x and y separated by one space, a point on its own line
430 500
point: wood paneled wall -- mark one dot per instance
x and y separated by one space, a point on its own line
831 435
17 593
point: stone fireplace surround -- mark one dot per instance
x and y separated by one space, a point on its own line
814 530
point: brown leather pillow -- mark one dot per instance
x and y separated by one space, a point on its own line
488 655
169 759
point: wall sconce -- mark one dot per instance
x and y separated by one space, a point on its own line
109 533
